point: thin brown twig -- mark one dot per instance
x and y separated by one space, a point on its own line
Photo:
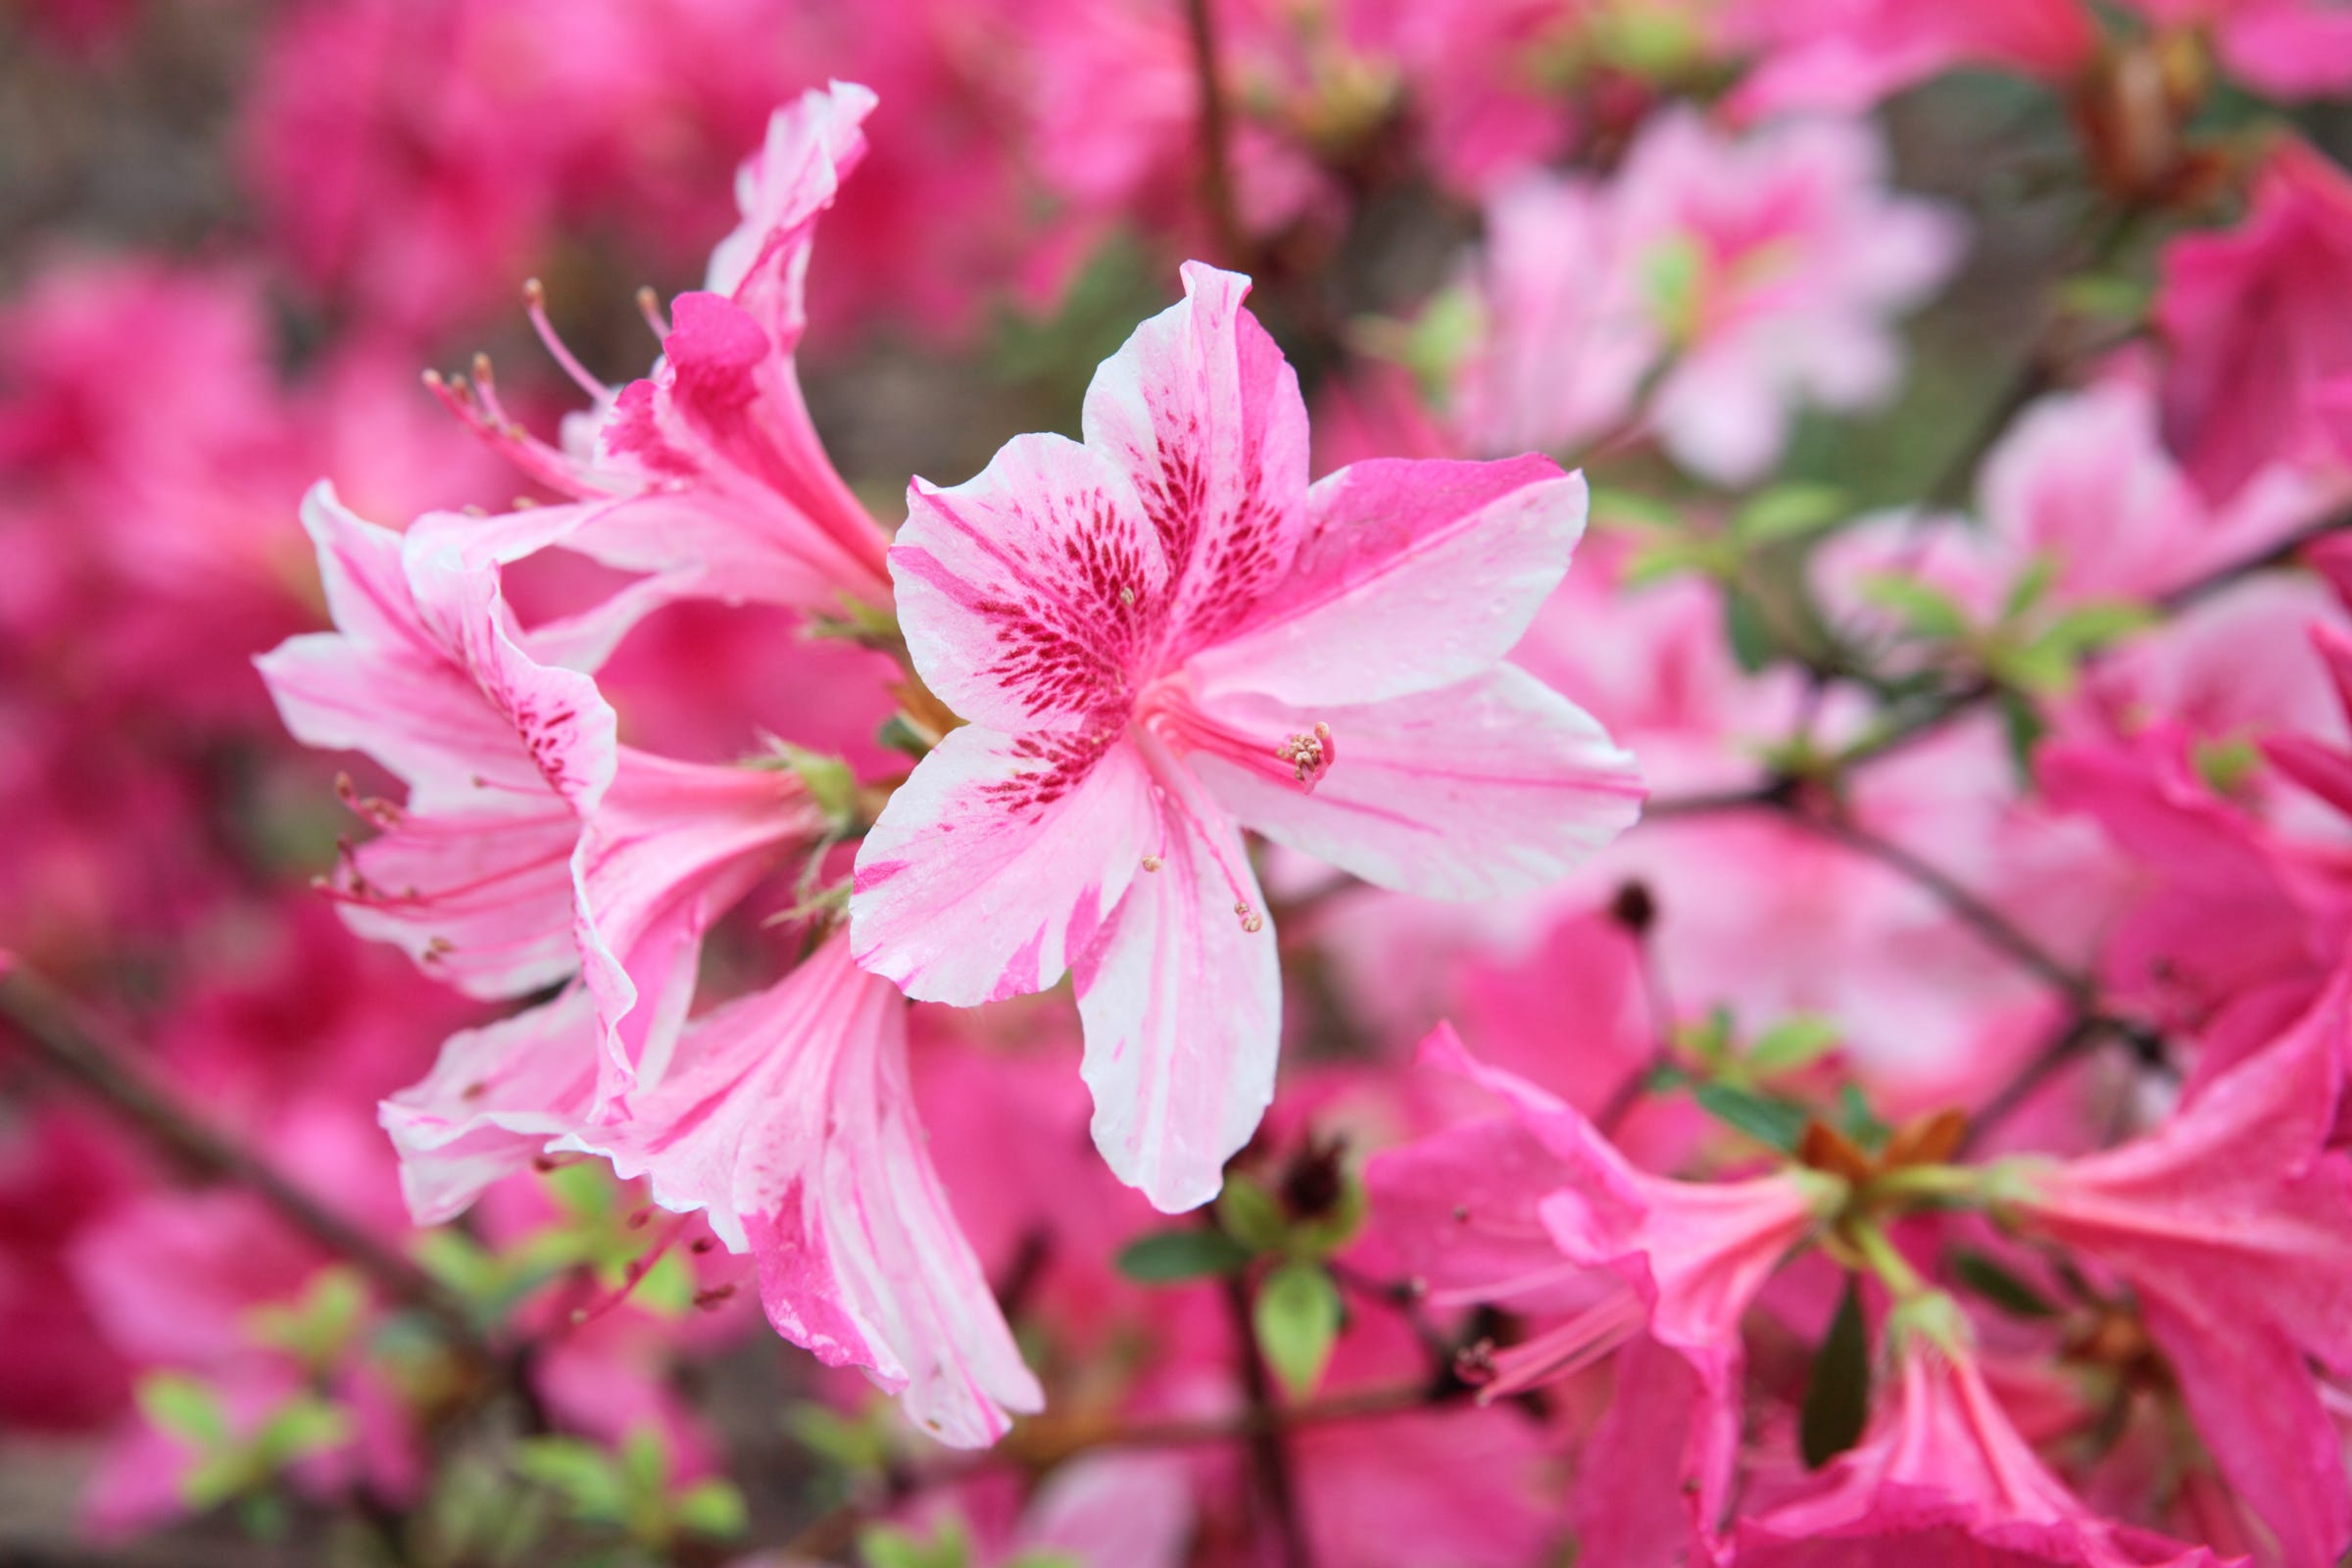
1216 140
1996 928
80 1048
1270 1450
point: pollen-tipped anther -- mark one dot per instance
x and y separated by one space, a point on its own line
1310 755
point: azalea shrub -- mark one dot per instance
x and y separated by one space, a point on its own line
1247 784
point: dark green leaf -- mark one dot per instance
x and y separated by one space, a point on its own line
1858 1122
2021 721
1996 1285
1749 632
1297 1321
1168 1257
1776 1122
1838 1389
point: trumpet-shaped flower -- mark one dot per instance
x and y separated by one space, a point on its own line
532 845
1943 1480
709 473
2233 1224
788 1119
1163 634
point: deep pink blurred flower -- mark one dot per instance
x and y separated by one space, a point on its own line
1943 1480
2233 1224
1163 633
2257 322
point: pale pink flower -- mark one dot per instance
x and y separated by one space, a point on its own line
786 1118
532 846
1775 264
1751 276
2231 1222
709 473
1163 634
1943 1480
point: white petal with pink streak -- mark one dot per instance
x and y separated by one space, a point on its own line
1496 786
1182 1005
995 864
1409 575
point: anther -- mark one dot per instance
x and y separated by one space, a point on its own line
1310 755
1126 596
1152 863
1251 922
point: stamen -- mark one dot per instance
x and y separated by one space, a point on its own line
534 301
1310 755
649 306
1251 922
1152 863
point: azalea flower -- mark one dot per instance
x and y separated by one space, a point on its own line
1942 1480
2258 329
787 1120
532 845
2231 1223
1162 634
707 473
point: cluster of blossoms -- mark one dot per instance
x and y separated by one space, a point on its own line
1817 1036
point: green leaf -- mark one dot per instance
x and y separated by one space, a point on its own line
1987 1278
1788 511
828 779
1611 507
1838 1389
1660 558
305 1425
2022 723
2032 584
2095 625
186 1407
884 1547
1168 1257
853 1445
1858 1122
1045 1557
1925 612
712 1509
897 735
2109 296
1748 630
1251 1215
1796 1040
1670 272
1297 1322
588 1480
2226 765
1774 1122
315 1328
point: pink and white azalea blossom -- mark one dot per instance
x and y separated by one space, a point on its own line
1163 634
786 1119
2233 1224
707 473
1943 1480
532 845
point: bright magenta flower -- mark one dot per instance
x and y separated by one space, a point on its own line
2258 322
2232 1225
1943 1480
1163 634
707 472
